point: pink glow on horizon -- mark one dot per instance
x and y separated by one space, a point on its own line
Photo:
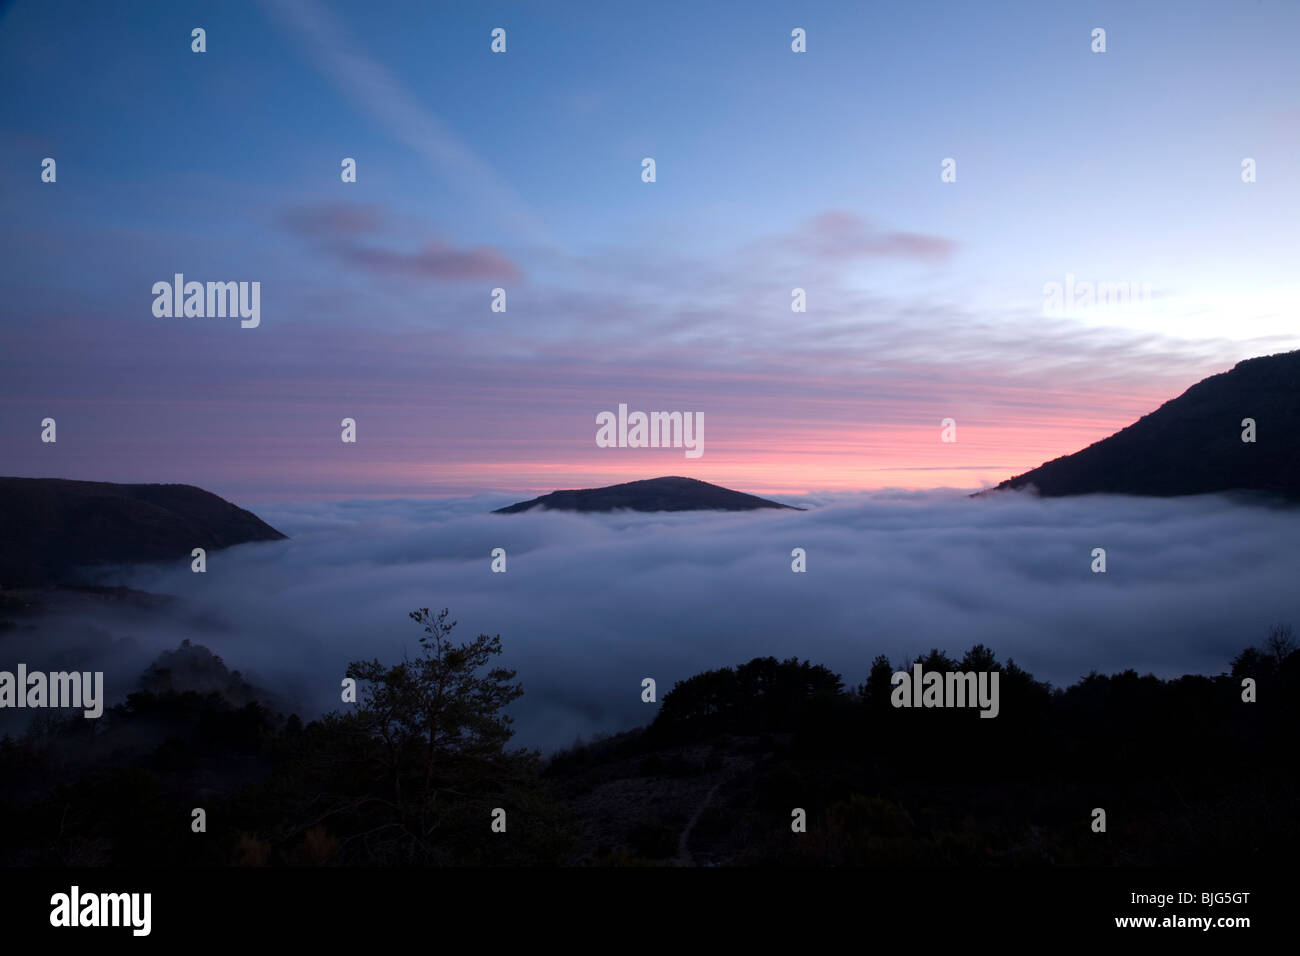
831 459
773 432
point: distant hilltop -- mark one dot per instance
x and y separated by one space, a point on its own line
1193 444
652 494
50 528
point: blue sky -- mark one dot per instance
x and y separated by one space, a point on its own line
774 170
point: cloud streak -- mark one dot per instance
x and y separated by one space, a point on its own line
337 228
334 219
842 235
377 93
437 260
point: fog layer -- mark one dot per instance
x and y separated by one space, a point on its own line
591 604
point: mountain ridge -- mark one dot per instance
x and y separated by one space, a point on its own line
1192 444
51 528
670 493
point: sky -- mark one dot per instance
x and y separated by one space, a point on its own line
522 170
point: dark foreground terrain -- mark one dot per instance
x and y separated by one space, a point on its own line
416 770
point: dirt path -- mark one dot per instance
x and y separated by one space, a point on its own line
683 854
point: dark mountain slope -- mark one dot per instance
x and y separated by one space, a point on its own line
50 527
1192 444
653 494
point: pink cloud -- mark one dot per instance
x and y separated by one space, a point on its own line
838 234
337 228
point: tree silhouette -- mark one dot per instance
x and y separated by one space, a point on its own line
415 771
436 710
1280 643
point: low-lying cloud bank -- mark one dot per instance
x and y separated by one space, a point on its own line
590 605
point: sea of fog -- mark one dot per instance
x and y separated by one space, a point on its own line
591 604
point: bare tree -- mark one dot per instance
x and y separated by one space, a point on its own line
1280 643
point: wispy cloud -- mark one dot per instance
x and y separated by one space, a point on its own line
436 260
337 228
377 93
334 219
841 235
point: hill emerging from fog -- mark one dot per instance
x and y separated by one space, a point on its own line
1193 444
50 528
652 494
